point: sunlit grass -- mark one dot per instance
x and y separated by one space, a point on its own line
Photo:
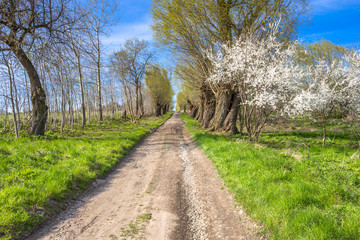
35 172
293 197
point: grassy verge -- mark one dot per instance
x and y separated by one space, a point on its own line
294 197
36 172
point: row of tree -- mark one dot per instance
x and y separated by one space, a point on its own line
191 28
238 63
55 70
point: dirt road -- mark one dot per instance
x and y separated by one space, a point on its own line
164 189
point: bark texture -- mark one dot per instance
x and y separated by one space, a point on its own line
209 109
200 112
230 121
158 110
38 96
222 108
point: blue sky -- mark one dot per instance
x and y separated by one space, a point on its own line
135 21
334 20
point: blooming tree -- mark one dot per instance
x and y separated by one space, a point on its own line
262 71
329 86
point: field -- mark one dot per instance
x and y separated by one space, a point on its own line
288 182
38 173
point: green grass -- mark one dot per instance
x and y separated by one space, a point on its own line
36 172
294 198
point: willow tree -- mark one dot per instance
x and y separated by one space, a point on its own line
24 23
159 88
193 26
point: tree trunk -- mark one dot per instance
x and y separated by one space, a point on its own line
324 133
209 109
13 103
62 109
98 66
158 110
124 114
38 96
230 121
221 110
241 118
6 114
200 112
15 95
27 95
136 98
163 109
56 109
193 111
83 111
141 104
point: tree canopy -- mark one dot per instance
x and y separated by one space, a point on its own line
159 88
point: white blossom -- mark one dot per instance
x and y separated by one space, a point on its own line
330 85
261 69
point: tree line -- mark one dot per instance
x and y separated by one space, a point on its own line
240 64
56 71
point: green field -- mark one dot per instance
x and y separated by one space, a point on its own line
293 196
38 173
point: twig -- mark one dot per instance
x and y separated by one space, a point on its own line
306 146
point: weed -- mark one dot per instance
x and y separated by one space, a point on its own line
136 228
150 188
145 217
113 237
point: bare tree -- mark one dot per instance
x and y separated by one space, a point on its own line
6 60
100 15
77 49
133 60
24 23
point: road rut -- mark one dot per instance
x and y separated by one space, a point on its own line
164 189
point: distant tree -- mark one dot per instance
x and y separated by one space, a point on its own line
159 88
130 64
181 102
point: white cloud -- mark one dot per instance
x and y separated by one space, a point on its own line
140 28
316 36
123 31
320 6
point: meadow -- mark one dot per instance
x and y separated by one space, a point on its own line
38 174
287 182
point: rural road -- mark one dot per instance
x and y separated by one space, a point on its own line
164 189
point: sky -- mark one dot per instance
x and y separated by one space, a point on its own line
334 20
135 21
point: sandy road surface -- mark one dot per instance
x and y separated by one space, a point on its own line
164 189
